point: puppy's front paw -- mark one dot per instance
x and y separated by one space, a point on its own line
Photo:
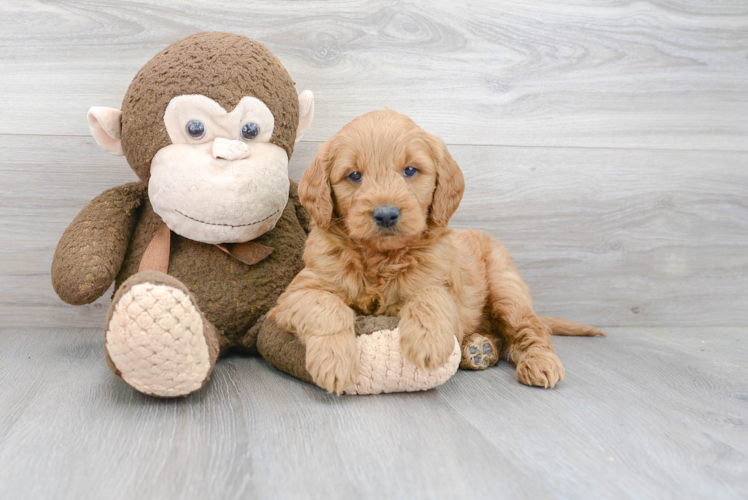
427 348
332 361
540 368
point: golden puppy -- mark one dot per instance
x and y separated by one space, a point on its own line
380 193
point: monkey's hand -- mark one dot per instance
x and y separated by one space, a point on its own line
92 249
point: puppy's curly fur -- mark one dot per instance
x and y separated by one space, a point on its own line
440 282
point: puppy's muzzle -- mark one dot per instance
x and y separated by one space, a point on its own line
386 216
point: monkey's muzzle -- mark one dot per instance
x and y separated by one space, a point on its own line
228 149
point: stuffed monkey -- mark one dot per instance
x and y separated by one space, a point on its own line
201 248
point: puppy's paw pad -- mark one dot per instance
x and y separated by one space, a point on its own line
479 352
540 368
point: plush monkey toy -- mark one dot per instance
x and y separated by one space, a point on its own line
201 248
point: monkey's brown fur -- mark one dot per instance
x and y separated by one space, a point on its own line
438 281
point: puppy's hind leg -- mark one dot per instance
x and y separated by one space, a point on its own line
527 337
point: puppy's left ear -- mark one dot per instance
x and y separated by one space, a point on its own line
450 183
315 192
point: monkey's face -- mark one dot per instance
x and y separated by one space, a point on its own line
221 180
210 124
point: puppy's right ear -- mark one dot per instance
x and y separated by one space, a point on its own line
315 192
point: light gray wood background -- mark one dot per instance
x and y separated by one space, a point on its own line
604 142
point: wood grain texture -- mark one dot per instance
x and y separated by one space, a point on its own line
645 413
605 229
618 237
606 236
668 74
603 142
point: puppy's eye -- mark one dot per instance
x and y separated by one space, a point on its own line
250 130
196 129
410 171
355 176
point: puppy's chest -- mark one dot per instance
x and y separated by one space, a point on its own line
382 290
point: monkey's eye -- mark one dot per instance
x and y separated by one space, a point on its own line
410 171
250 130
196 129
355 176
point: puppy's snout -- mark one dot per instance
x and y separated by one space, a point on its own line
386 215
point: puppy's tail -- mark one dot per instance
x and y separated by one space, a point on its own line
568 328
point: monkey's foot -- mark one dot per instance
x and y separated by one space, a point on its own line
384 369
479 352
156 337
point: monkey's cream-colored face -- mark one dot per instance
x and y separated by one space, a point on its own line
220 181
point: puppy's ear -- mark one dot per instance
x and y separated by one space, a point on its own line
450 183
314 188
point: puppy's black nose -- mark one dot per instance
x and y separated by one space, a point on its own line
386 216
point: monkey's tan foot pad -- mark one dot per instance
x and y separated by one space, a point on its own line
155 339
479 352
384 369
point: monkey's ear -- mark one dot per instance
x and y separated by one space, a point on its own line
306 113
106 127
450 183
315 192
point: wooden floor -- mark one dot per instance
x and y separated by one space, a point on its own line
647 413
604 142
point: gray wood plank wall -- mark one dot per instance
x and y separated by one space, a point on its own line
604 142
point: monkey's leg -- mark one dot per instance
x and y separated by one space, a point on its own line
383 369
156 338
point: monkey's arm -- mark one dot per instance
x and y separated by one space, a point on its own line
92 248
301 213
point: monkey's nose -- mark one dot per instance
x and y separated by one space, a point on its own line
227 149
386 215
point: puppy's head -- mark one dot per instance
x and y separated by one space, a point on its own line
384 179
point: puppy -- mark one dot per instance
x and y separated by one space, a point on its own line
380 193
